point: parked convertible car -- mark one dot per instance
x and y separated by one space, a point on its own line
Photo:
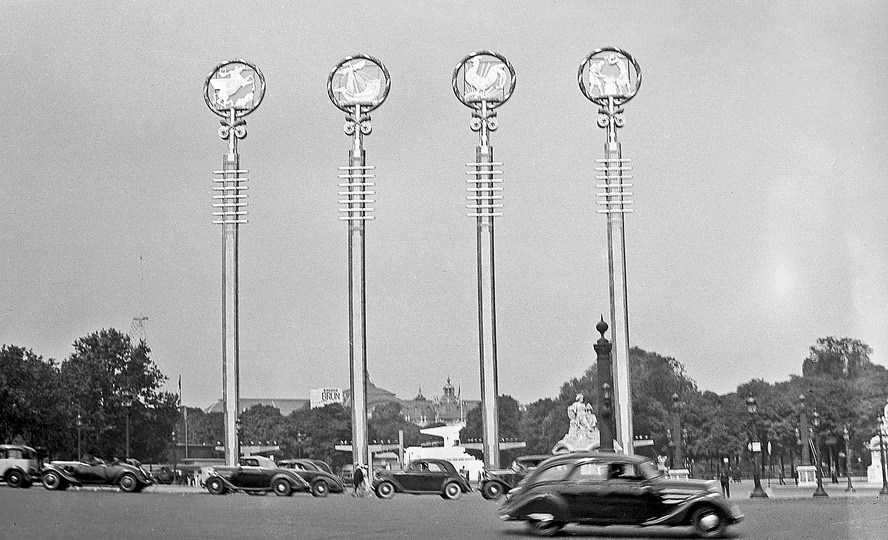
614 489
496 483
129 475
258 475
422 476
18 465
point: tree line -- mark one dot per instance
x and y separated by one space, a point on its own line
108 377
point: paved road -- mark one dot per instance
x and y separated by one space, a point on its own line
185 513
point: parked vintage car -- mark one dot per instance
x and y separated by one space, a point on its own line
614 489
315 471
19 465
435 476
129 475
258 475
497 482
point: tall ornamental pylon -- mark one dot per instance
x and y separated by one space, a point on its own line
232 90
483 81
609 78
358 85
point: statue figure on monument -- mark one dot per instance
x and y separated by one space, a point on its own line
583 434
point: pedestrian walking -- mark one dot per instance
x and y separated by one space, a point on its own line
358 481
725 481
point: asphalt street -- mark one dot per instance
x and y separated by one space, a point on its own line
186 513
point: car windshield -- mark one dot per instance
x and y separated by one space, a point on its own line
556 472
648 469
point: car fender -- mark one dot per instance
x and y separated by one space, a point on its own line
295 480
398 487
547 503
66 476
680 512
227 483
333 481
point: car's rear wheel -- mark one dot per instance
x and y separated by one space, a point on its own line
320 488
128 483
52 481
452 491
385 490
492 490
545 528
215 486
282 488
15 478
709 522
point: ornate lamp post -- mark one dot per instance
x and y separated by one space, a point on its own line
300 439
79 425
819 492
606 396
128 403
883 421
232 90
609 78
357 85
847 436
757 491
678 457
483 81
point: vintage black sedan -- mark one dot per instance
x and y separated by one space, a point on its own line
257 476
614 489
129 475
496 483
435 476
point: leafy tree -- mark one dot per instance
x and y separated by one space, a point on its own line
322 429
109 379
203 428
261 423
837 358
30 398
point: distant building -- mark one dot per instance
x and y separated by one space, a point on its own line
321 397
449 408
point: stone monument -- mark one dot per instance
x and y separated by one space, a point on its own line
583 434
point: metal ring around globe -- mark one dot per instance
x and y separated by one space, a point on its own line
490 104
603 100
225 113
365 107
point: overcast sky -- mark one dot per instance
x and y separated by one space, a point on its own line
758 141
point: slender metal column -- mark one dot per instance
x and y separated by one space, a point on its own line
357 297
230 344
487 315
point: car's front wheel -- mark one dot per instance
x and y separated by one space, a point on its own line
15 479
709 522
128 483
320 489
452 491
492 490
545 528
215 486
52 481
385 490
282 487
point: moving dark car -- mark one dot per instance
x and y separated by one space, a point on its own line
423 476
258 475
129 475
496 483
614 489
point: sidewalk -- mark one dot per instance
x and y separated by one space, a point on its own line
862 489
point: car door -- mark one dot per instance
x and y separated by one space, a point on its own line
628 497
94 472
433 479
413 478
584 492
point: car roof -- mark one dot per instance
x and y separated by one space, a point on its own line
7 446
602 456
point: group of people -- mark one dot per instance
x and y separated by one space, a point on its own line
359 480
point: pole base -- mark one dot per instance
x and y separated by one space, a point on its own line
820 492
758 493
